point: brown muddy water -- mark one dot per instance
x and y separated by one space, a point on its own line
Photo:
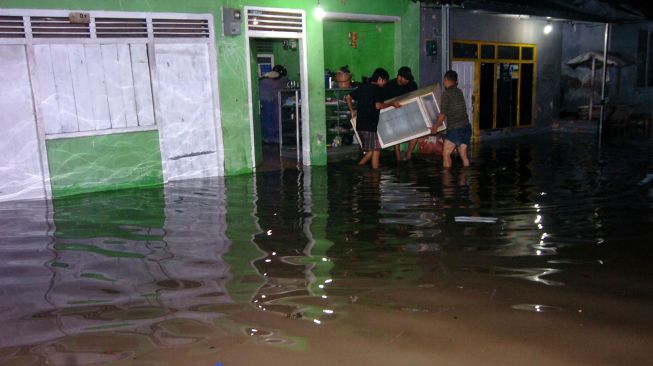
342 266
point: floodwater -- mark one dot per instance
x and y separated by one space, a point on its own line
344 266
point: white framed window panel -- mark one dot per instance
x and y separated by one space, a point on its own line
101 78
419 111
397 125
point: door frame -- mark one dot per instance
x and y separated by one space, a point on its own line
303 75
496 60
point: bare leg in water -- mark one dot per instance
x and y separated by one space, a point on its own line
446 153
411 147
366 158
462 151
374 156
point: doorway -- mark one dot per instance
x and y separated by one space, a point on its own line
279 126
276 96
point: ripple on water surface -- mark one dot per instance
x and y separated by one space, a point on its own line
264 260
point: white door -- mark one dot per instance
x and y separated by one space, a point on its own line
466 71
20 160
185 108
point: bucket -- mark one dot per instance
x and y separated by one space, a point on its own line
343 79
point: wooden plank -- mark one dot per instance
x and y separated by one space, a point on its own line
48 103
142 84
114 93
97 85
81 88
20 161
64 85
127 84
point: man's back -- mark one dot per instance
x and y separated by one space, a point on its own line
367 95
453 106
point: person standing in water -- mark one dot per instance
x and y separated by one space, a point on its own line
370 99
454 111
269 86
404 83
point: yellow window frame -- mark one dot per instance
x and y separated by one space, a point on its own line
496 60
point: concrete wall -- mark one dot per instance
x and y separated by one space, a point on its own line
465 25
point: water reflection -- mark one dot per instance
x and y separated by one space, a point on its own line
294 266
105 277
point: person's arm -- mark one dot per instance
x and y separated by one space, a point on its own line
438 122
382 105
443 113
350 105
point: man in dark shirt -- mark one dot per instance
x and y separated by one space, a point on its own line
404 83
370 99
453 109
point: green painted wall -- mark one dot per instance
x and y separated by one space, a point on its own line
375 47
289 58
108 162
233 67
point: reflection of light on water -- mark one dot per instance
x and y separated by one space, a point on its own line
537 308
530 274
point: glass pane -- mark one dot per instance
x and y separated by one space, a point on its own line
487 51
486 113
431 106
507 86
402 124
465 50
509 52
526 95
527 53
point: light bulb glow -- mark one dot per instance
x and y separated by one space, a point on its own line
319 12
548 29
